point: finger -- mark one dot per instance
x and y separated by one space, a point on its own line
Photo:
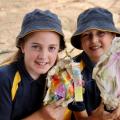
109 117
59 103
115 114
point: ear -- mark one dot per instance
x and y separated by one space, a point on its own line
22 48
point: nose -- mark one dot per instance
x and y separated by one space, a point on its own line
43 54
94 38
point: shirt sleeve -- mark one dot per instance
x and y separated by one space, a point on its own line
76 106
5 97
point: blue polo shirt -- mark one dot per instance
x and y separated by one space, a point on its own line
91 95
29 96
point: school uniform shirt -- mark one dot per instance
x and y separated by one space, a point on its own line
91 95
29 95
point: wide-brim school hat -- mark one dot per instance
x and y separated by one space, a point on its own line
93 18
39 20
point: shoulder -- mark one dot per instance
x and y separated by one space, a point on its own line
8 68
78 57
7 72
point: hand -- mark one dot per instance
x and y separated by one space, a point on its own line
49 112
101 114
104 115
115 115
54 111
98 113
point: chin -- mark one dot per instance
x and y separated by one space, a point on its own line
43 71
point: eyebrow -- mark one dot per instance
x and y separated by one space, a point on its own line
82 35
41 44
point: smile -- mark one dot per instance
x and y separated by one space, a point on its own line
95 47
41 63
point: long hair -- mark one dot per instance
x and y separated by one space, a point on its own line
13 58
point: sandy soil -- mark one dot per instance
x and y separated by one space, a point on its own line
12 12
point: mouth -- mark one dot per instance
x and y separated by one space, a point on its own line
41 63
95 47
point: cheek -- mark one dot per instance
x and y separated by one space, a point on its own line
85 46
30 56
107 43
53 58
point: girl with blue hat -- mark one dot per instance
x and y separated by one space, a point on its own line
23 80
94 35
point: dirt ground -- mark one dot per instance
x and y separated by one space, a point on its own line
13 11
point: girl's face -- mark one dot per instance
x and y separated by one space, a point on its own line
40 52
96 42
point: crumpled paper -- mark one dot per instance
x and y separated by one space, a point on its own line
61 83
107 76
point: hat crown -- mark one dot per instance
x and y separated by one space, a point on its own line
95 14
37 15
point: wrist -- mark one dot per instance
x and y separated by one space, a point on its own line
44 114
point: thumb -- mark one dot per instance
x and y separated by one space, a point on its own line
59 103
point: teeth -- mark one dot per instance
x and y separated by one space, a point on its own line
42 63
95 47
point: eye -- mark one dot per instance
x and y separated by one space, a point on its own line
101 33
36 47
86 36
52 49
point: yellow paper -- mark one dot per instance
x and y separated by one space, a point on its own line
78 93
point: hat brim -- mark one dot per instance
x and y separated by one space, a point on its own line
75 39
62 42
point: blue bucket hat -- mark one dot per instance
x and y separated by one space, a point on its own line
39 20
93 18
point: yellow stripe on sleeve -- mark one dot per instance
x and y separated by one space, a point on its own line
16 80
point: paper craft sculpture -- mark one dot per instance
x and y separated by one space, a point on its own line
107 76
64 81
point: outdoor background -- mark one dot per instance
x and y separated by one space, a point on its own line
12 12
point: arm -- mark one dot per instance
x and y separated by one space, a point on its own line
115 115
5 97
81 115
79 110
84 116
98 114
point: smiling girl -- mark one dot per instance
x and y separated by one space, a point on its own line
23 80
94 35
